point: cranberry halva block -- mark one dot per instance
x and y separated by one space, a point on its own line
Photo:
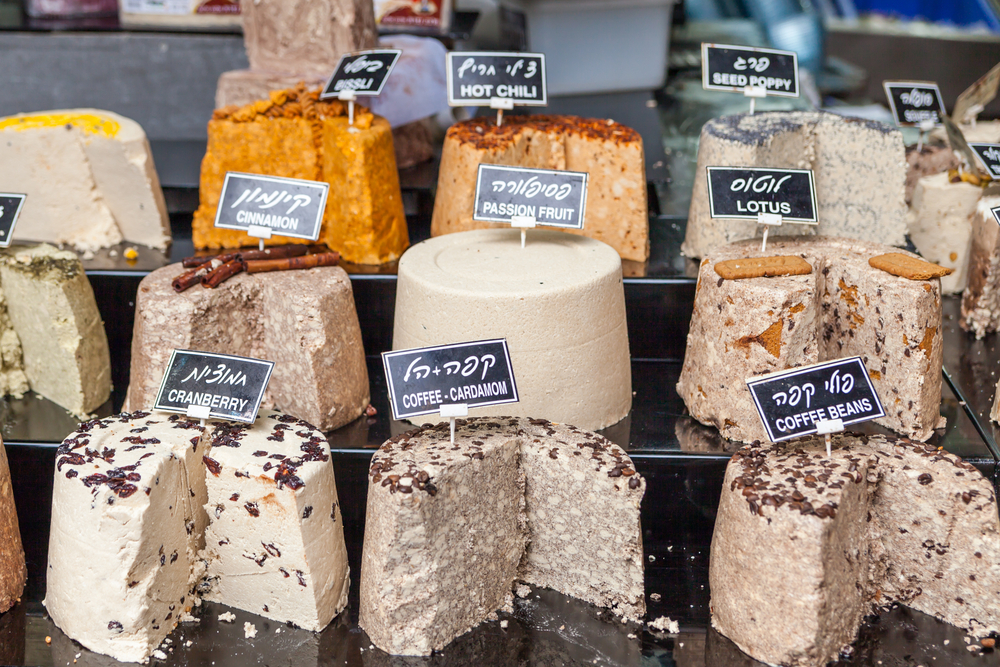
127 524
859 167
451 528
275 545
883 520
304 321
844 307
151 512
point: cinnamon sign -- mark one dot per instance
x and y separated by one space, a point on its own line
285 206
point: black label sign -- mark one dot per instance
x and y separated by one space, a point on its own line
791 402
362 72
736 68
231 387
914 102
286 206
989 155
423 379
996 214
746 192
476 78
10 207
553 198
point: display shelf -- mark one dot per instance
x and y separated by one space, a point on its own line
546 628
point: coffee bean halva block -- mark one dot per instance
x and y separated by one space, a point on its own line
304 321
981 298
844 307
151 512
883 520
275 545
13 572
451 528
859 168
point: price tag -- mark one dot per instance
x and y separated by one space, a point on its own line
747 192
914 102
736 68
423 379
284 206
362 73
552 198
790 403
229 387
10 207
479 78
989 156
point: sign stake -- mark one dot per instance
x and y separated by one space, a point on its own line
925 127
452 410
199 412
524 223
501 104
349 97
767 219
259 233
827 427
753 93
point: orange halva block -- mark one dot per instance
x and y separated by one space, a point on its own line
294 134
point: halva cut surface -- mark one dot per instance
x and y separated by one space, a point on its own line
151 512
845 307
559 298
440 555
883 520
89 176
304 321
609 152
275 545
54 317
859 168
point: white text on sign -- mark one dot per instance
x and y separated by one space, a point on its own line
743 81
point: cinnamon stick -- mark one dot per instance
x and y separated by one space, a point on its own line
291 263
194 262
190 278
275 252
224 272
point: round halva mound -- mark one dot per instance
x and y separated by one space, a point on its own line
559 302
